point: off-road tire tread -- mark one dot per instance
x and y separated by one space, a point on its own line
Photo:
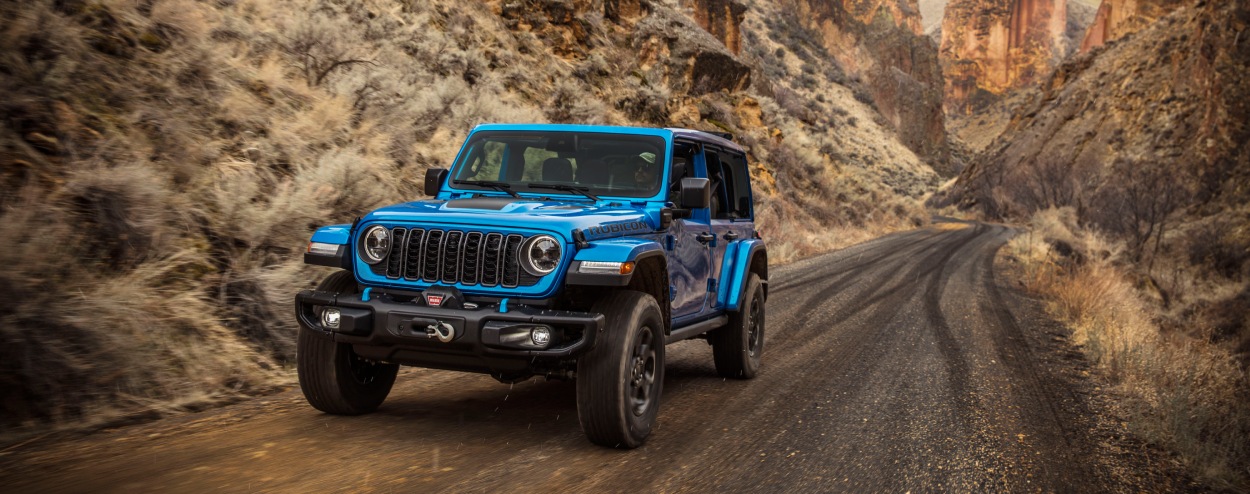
601 407
319 361
729 343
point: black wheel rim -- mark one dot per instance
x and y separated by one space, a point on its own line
755 327
364 371
642 368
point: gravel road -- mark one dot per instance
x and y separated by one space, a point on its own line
901 364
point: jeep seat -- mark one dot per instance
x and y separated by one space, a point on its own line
557 170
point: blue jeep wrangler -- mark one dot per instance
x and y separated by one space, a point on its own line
574 252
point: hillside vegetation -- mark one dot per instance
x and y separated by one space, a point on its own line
164 161
1131 162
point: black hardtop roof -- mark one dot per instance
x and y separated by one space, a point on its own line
706 137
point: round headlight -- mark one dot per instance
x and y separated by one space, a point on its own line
375 244
540 255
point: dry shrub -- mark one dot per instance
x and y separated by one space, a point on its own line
86 346
1185 393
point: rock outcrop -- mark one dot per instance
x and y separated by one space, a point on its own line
721 18
674 50
1117 18
883 43
992 46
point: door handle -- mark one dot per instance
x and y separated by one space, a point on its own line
731 235
705 237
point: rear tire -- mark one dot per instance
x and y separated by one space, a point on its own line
737 346
620 380
333 378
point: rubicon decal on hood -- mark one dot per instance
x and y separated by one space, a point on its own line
609 230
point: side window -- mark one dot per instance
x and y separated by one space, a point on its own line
738 185
721 207
683 166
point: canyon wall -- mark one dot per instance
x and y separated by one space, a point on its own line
989 47
882 43
1117 18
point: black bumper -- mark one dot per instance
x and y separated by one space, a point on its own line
394 328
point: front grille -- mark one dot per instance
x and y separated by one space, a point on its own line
455 256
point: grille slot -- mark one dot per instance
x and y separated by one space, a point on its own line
469 269
490 259
413 254
432 252
395 259
451 256
512 265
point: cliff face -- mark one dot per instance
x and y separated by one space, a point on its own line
1117 18
1172 99
992 46
721 18
882 42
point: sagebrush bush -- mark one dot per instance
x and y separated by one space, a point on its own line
1186 393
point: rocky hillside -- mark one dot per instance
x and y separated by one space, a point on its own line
1118 18
1132 164
1148 140
880 44
164 161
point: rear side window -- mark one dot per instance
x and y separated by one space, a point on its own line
731 193
738 184
716 174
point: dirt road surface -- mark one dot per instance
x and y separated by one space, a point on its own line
901 364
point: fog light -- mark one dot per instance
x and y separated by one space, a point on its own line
330 318
541 336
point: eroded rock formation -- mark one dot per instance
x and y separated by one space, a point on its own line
674 50
992 46
882 43
1117 18
721 18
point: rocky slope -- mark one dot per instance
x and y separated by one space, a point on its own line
165 161
1132 163
1118 18
1148 140
881 43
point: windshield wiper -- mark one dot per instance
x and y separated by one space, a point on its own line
566 188
499 186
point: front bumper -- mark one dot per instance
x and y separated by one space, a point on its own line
394 326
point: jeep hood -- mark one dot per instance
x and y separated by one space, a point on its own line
558 216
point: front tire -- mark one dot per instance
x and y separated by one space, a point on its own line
333 378
619 382
737 346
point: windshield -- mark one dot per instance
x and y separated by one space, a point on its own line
599 164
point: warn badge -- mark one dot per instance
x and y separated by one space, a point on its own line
433 300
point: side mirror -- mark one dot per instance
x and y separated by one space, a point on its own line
434 178
696 193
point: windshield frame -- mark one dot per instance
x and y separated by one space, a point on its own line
521 187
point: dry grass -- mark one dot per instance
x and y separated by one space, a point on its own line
1185 393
